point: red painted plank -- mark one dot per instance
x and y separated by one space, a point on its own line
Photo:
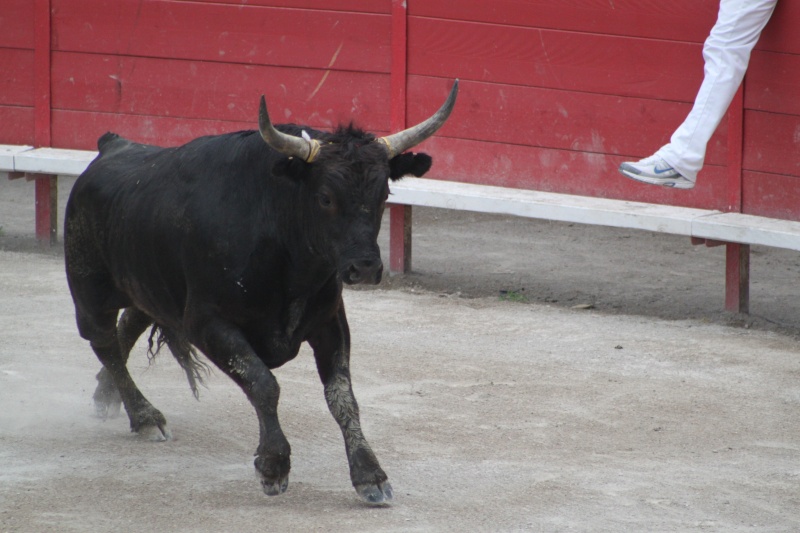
772 82
400 235
16 82
218 91
400 238
80 129
561 171
555 59
16 24
772 143
771 195
550 118
46 193
41 69
358 6
399 75
17 125
737 278
735 142
679 20
780 34
223 33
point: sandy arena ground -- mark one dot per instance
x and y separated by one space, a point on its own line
650 410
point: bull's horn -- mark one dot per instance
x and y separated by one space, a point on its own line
285 144
399 142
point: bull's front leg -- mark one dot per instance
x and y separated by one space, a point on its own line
332 353
227 348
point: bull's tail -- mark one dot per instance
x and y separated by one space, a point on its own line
183 352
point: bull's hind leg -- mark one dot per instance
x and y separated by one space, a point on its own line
131 325
101 331
97 303
332 353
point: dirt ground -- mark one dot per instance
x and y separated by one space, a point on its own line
528 376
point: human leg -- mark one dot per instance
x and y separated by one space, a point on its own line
727 54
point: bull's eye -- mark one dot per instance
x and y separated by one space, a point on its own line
325 200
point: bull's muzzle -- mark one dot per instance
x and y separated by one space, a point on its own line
368 271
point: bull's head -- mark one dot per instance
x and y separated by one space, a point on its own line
346 183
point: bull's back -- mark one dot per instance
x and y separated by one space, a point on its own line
159 221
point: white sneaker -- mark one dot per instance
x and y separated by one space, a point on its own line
655 170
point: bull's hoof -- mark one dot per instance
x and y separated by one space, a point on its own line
160 433
150 424
107 409
380 494
107 401
274 488
273 472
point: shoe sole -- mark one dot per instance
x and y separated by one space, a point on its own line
664 182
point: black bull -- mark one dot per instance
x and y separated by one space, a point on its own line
236 244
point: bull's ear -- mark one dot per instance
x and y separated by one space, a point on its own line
409 163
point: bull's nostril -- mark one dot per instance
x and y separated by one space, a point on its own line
364 271
354 273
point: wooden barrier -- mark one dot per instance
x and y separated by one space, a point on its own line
736 231
555 94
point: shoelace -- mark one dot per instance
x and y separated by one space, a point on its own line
658 163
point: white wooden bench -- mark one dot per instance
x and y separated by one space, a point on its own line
44 165
736 231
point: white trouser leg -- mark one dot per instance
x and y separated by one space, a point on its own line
726 53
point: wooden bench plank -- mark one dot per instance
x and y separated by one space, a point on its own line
8 152
544 205
736 230
749 229
53 161
43 165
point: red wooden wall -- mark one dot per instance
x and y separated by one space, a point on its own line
554 94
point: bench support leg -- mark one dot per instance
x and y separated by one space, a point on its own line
46 209
737 278
399 239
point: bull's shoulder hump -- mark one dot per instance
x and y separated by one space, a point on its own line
111 141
